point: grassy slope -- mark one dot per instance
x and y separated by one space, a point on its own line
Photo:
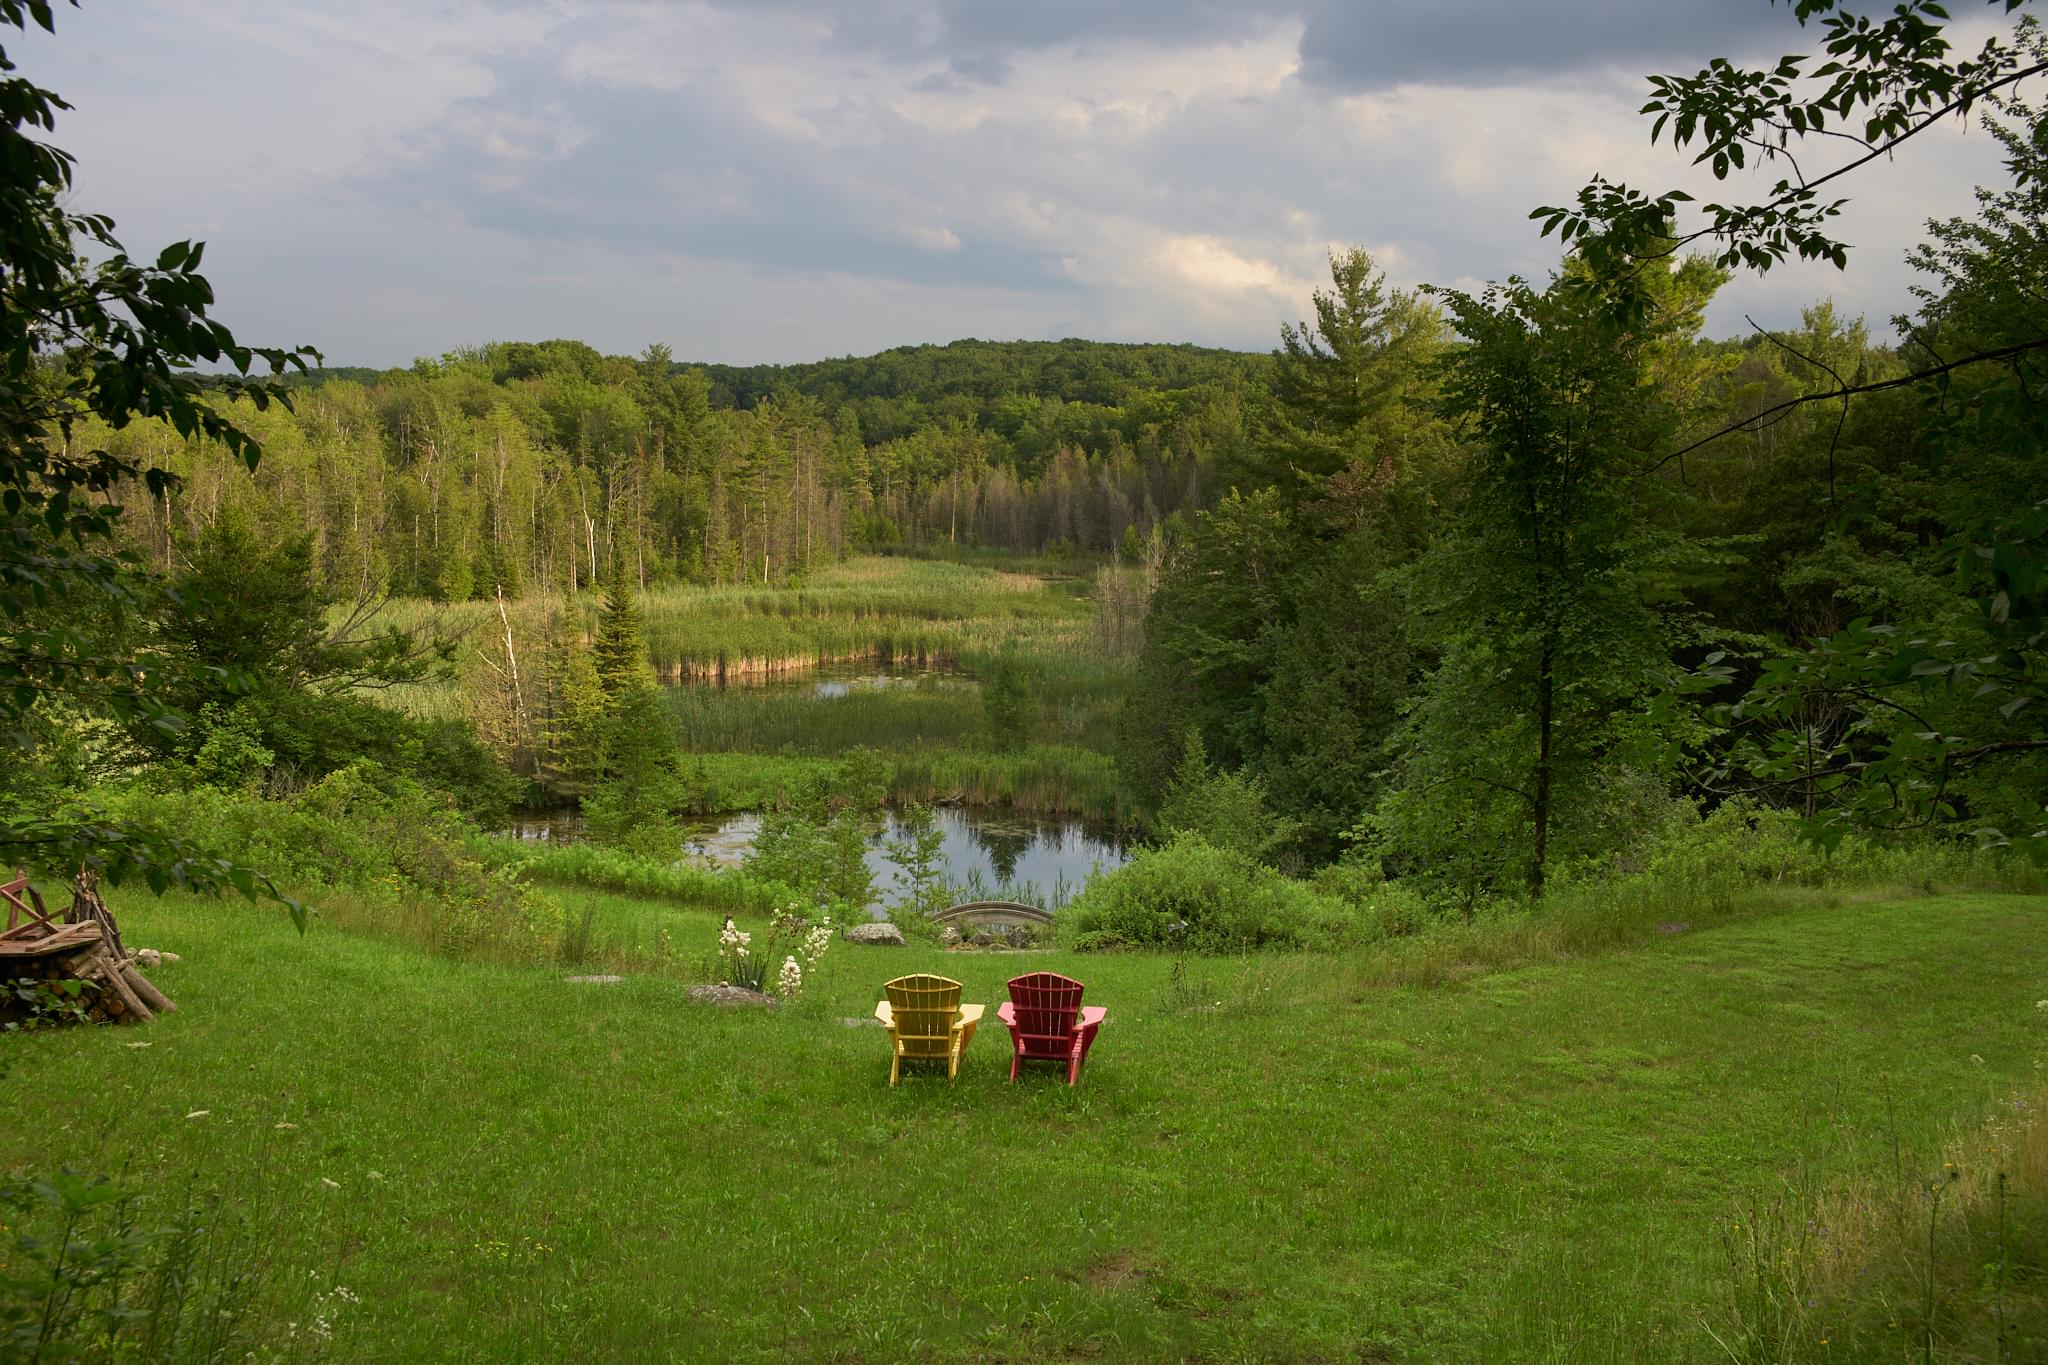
1534 1164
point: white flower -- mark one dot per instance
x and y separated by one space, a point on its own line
792 980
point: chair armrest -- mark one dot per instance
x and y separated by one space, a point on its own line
970 1014
1007 1013
1091 1016
887 1015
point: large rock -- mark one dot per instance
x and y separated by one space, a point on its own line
878 933
723 994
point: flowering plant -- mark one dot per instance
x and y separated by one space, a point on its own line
790 935
737 960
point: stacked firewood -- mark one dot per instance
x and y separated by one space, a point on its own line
86 947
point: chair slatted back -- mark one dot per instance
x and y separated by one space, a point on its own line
26 915
925 1009
1046 1005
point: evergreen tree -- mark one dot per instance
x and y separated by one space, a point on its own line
1340 385
621 646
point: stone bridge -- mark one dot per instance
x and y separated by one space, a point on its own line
994 914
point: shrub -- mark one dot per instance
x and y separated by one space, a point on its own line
1739 844
1228 810
1192 894
367 830
818 843
86 1278
1387 909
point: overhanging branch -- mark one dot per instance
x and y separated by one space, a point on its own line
1755 421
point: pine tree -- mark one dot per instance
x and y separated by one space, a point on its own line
572 726
621 646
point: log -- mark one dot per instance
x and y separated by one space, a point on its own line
144 990
132 1009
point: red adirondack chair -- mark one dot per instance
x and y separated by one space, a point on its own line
1048 1023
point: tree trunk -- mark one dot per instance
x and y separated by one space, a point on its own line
1546 688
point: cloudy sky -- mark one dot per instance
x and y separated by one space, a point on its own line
780 180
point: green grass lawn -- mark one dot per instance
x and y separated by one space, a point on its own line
1260 1162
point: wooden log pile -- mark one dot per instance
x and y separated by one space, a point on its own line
86 947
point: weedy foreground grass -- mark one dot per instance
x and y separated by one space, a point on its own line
1265 1159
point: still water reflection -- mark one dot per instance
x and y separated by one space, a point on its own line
988 853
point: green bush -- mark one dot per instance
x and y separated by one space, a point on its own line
1387 909
83 1276
1226 809
1191 894
1739 844
369 831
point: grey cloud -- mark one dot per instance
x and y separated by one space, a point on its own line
1358 47
1347 45
962 27
965 71
685 172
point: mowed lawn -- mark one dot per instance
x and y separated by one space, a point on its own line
1261 1162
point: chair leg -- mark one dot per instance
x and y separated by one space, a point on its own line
1016 1060
895 1065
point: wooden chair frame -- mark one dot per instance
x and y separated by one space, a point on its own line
27 917
1048 1022
926 1022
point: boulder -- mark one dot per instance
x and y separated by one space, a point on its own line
731 996
949 936
878 933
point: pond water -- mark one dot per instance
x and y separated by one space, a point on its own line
987 853
832 680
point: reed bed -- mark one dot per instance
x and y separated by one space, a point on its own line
1045 780
869 609
933 714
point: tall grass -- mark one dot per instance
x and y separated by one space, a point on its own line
726 892
1046 780
1943 1258
1737 864
871 609
1053 780
863 609
931 713
1076 696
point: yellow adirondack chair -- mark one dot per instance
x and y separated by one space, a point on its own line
927 1022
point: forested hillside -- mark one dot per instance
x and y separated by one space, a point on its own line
528 466
1434 578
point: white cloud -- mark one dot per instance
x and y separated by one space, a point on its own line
931 237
